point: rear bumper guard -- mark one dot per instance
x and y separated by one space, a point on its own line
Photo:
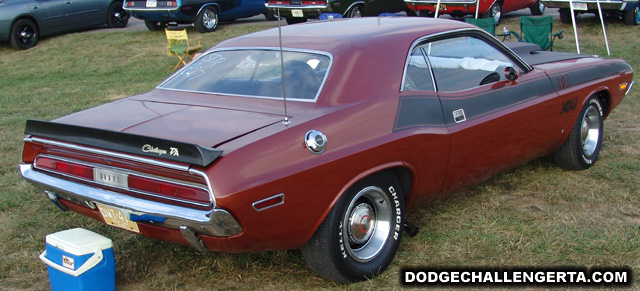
214 222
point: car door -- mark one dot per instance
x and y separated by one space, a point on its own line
494 123
85 13
49 14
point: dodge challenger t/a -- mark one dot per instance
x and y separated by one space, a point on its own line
322 144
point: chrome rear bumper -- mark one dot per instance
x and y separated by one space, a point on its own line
214 222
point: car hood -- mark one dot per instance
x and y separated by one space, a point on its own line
190 123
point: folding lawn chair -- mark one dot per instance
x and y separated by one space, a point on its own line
538 30
179 45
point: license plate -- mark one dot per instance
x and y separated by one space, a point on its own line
152 3
116 217
297 13
580 6
110 178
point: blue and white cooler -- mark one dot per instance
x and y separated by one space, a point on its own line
79 259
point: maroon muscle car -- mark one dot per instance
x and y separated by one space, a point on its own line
382 115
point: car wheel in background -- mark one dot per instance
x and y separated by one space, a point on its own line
538 8
117 17
155 25
270 16
355 11
494 12
295 20
632 17
24 34
582 146
361 234
565 15
207 20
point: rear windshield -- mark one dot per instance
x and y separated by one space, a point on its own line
254 73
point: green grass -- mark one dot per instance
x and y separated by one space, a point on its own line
533 215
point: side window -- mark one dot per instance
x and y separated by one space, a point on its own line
463 63
417 74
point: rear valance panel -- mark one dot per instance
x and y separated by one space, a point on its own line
124 142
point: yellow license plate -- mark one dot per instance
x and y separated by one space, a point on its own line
116 217
443 7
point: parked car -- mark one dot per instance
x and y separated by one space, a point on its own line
23 22
203 14
381 115
297 11
628 10
487 9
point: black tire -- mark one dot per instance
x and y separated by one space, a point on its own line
538 8
296 20
155 25
495 11
24 34
207 20
349 252
355 12
632 17
565 16
117 16
270 16
580 150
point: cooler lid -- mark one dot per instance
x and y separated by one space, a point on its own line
78 241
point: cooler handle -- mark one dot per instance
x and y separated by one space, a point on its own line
90 263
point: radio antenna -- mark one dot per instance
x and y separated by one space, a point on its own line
286 120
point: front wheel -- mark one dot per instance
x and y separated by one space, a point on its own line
538 8
117 17
207 20
361 234
155 25
494 12
582 146
355 12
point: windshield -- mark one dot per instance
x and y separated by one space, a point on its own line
254 73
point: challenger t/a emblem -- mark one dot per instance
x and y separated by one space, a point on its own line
151 149
174 152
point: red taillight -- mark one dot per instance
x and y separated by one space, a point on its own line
277 2
168 189
65 167
131 3
313 2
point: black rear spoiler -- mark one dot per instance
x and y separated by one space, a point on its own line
124 142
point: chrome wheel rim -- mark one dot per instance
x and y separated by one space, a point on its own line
119 16
541 7
367 224
496 12
590 131
26 34
209 19
356 12
637 15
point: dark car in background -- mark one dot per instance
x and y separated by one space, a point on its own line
203 14
627 10
487 9
297 11
23 22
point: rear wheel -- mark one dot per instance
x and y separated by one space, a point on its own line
538 8
24 34
494 12
355 11
155 25
582 146
565 16
207 20
117 17
632 17
361 234
270 16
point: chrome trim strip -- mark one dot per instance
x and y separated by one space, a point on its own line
267 199
324 81
127 157
126 172
213 222
107 153
629 89
289 6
